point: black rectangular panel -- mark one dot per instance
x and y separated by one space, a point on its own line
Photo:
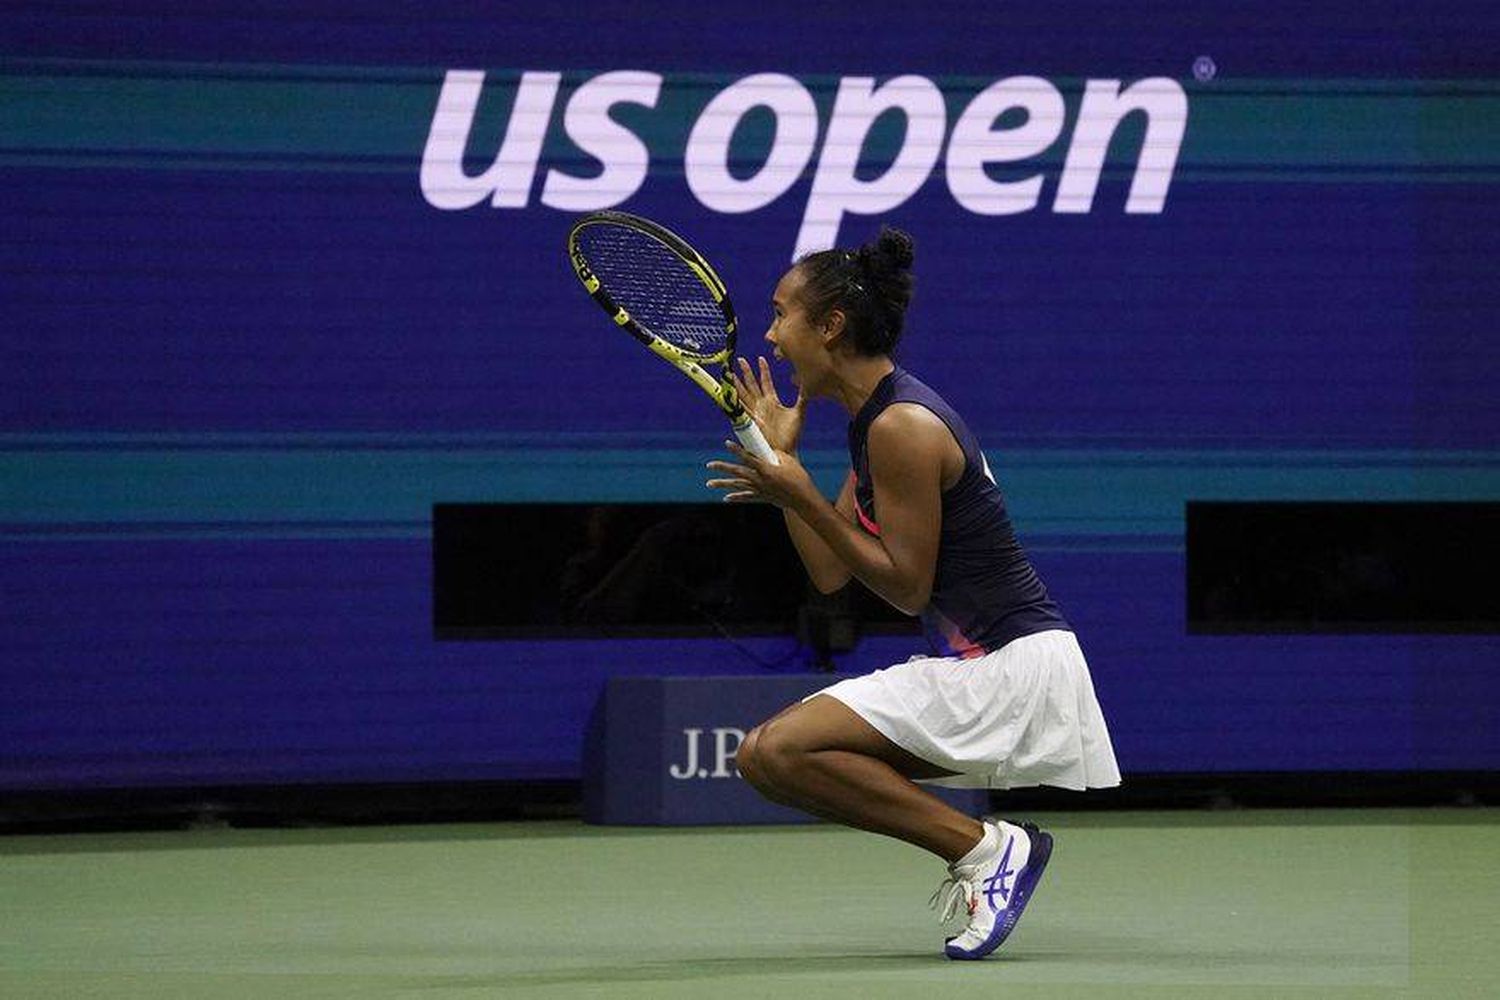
612 569
1343 567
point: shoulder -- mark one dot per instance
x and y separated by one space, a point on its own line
911 440
907 423
910 435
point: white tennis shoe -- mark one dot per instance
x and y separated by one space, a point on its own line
994 889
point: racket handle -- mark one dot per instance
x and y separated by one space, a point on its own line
754 441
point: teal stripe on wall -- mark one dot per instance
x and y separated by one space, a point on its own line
66 113
1105 496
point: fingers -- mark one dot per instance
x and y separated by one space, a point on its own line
768 381
737 490
742 496
748 479
741 483
733 475
767 386
750 462
737 475
755 384
744 381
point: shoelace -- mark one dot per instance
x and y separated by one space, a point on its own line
952 892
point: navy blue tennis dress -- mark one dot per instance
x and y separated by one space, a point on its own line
985 592
1006 698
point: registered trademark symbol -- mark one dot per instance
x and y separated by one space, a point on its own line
1204 69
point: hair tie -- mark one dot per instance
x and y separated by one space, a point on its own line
858 265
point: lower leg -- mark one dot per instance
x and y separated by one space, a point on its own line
867 793
749 765
823 758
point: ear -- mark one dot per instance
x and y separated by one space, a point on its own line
834 325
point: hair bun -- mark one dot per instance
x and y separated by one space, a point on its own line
896 247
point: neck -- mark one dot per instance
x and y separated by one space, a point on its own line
852 383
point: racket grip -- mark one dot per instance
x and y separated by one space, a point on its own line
754 441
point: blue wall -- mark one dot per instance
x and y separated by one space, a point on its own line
244 352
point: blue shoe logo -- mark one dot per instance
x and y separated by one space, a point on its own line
999 883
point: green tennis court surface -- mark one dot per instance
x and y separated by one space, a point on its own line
1265 904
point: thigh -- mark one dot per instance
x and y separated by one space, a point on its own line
825 723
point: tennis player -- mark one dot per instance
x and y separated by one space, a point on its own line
1005 700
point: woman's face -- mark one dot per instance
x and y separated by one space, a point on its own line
793 336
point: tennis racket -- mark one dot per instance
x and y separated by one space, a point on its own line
663 293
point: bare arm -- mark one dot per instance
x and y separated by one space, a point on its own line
909 447
828 572
782 426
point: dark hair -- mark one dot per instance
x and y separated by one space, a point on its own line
872 285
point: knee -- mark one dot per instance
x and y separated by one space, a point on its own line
747 759
765 757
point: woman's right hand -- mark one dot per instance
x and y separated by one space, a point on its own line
781 424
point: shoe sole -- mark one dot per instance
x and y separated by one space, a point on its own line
1036 863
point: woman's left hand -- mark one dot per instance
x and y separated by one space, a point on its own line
750 480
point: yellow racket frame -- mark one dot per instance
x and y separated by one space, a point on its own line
719 388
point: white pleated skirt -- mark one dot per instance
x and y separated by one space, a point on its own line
1022 715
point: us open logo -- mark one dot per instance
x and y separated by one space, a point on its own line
1011 120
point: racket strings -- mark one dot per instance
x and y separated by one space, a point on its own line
657 288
